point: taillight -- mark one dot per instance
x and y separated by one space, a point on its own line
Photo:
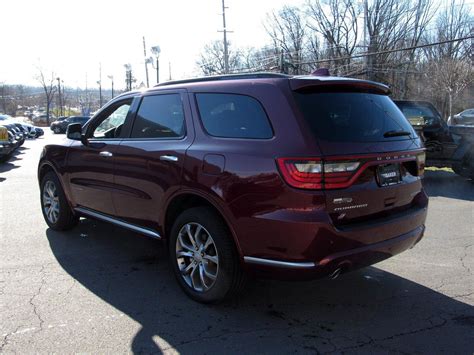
420 162
316 173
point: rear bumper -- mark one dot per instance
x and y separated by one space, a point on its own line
307 245
342 261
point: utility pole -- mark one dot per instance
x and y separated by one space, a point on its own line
59 96
169 69
100 85
226 51
111 77
146 63
368 59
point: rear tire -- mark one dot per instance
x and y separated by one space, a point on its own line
203 256
54 205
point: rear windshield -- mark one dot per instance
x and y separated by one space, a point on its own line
352 116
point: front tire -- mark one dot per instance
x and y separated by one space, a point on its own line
56 211
203 256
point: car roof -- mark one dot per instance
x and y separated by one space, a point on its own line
297 82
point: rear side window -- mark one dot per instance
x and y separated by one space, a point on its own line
352 116
233 116
159 116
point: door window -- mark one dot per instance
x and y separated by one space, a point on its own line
160 116
110 125
233 116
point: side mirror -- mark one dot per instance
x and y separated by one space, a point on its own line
74 132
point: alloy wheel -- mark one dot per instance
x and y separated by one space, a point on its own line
51 201
197 257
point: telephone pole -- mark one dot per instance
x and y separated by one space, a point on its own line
226 51
146 63
100 85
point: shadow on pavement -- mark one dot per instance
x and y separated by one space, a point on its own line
448 184
7 166
367 310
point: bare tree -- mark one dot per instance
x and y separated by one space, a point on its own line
449 66
336 21
211 59
286 29
47 83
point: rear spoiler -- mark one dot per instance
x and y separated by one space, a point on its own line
311 83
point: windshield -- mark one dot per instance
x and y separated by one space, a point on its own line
353 117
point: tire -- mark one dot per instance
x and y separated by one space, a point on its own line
229 278
62 217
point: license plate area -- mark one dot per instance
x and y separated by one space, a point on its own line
388 174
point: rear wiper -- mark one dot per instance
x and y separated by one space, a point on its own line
396 134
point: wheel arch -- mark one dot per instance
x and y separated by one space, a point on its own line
46 167
188 199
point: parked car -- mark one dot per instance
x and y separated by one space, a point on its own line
16 135
27 130
446 146
267 174
38 131
6 147
10 141
60 126
465 117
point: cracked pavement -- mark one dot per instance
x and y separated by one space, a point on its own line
101 289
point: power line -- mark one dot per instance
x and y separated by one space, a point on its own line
368 54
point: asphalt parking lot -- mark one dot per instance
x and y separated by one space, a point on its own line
101 289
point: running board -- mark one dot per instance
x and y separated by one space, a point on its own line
117 222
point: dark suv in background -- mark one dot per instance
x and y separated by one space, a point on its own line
268 174
60 125
446 146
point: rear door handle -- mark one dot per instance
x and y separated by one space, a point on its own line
106 154
168 158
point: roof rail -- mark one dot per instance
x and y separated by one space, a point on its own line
262 75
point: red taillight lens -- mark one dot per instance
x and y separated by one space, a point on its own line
420 162
316 174
301 173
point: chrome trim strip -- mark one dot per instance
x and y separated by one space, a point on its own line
276 263
118 222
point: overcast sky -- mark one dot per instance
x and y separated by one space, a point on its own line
73 37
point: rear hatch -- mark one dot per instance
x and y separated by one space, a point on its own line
372 159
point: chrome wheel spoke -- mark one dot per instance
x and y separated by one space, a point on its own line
183 253
193 279
190 235
183 244
201 277
188 269
208 243
208 274
211 258
46 200
196 236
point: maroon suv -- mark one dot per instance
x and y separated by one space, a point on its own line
269 174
